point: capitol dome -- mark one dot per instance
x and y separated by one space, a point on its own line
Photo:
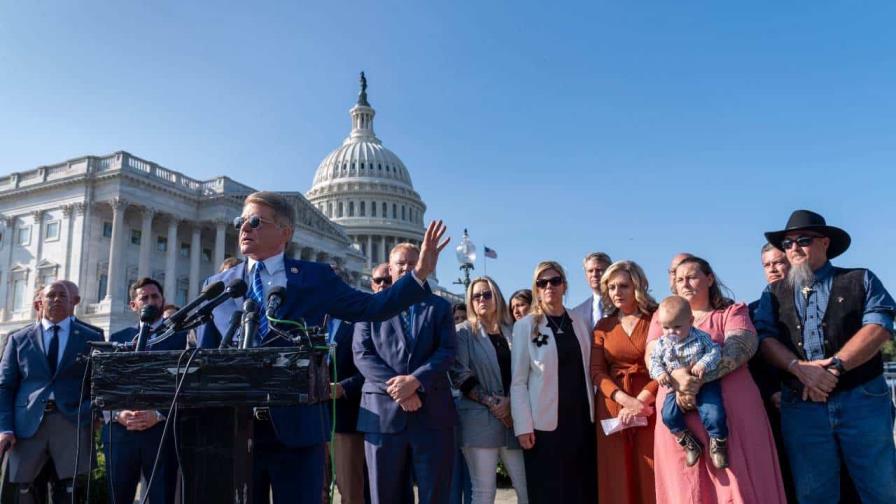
365 188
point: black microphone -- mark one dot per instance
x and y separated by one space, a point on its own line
176 318
148 315
114 345
236 289
235 320
250 323
275 299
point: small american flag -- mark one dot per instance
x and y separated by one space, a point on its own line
490 253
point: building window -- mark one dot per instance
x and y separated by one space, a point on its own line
136 236
363 209
373 208
51 231
184 249
394 211
19 282
339 209
162 244
183 290
385 210
103 284
402 213
351 208
47 275
23 236
207 255
380 167
107 230
329 209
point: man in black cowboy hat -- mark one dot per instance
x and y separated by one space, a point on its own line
824 327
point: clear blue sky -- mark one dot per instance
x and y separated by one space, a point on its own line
549 130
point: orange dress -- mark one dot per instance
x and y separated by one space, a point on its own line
624 459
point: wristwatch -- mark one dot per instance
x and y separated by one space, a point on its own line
837 364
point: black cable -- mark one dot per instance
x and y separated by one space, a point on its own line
180 384
183 485
78 431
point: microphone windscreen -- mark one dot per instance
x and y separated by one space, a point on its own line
149 314
213 290
237 288
250 306
278 291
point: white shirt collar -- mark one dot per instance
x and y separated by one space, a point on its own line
272 264
64 324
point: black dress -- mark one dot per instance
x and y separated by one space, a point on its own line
561 465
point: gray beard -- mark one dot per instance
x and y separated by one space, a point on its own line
800 275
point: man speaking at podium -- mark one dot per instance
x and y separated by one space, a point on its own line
289 443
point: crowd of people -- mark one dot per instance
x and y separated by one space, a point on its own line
624 398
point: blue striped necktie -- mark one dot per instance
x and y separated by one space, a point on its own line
258 296
405 318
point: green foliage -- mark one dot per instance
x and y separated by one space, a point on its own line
889 350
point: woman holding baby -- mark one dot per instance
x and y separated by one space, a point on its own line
753 474
625 390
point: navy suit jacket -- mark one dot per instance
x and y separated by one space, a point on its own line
349 377
26 383
383 351
312 291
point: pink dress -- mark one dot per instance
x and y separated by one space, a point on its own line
753 474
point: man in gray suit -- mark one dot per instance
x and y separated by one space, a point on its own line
592 309
41 396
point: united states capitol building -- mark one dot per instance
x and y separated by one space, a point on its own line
104 221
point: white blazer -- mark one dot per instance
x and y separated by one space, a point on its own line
533 387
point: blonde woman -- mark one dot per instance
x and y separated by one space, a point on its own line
550 394
482 373
625 390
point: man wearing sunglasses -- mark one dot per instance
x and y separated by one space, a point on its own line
824 326
289 442
407 413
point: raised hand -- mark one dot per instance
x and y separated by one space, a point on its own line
430 248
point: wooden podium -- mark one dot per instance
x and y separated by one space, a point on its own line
220 390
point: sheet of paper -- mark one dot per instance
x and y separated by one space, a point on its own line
613 425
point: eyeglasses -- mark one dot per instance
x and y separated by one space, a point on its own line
541 283
382 280
484 295
253 220
802 241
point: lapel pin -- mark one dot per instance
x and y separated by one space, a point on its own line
839 299
293 270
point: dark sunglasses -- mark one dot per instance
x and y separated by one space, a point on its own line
253 220
802 241
541 283
484 295
382 280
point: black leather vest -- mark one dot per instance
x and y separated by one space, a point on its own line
842 319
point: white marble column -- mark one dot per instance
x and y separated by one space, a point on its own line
143 267
37 237
383 256
220 241
116 250
171 259
195 251
6 285
368 251
68 211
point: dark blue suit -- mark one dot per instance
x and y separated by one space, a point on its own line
132 453
349 377
395 439
294 459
